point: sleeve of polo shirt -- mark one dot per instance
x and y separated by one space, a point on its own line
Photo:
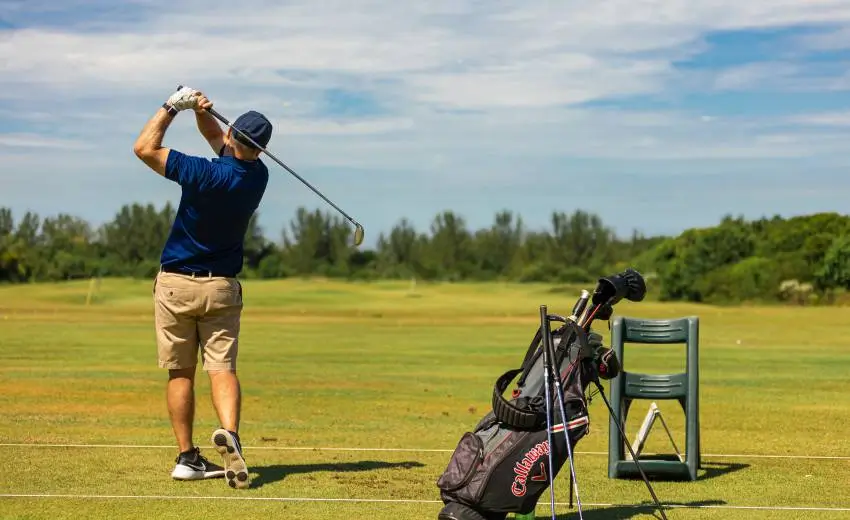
189 170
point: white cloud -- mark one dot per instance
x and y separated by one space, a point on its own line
745 77
781 76
461 54
464 91
26 140
823 119
837 39
359 127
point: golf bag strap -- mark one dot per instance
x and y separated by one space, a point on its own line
530 356
584 350
533 353
508 413
522 417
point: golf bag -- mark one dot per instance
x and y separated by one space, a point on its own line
515 451
501 465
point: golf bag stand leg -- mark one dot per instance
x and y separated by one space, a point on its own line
549 361
631 451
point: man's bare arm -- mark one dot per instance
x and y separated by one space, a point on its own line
148 145
208 125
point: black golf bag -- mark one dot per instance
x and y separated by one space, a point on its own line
506 462
502 465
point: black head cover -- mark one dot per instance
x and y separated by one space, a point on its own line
607 364
629 285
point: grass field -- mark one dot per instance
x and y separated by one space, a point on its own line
356 394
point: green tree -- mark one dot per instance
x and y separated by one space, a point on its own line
687 259
834 271
579 243
307 249
67 248
20 258
134 238
9 256
399 252
7 222
495 249
751 279
449 253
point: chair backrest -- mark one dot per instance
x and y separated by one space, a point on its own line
656 331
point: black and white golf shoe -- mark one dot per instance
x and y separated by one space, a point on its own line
228 445
192 465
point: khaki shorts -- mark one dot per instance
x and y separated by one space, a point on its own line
195 314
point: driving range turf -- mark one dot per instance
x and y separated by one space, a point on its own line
355 394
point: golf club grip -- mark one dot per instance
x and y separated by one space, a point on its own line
218 116
580 305
213 112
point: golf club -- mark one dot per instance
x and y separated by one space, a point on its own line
547 374
358 229
549 361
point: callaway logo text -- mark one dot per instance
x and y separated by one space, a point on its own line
523 468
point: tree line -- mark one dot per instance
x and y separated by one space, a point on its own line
803 258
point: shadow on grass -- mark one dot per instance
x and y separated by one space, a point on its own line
707 470
718 469
629 511
276 472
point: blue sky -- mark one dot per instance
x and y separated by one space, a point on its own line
658 116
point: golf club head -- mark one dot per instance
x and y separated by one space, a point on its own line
358 234
629 285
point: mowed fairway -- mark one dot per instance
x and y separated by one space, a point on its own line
356 394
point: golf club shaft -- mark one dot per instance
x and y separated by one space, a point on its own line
631 451
547 374
559 394
587 317
275 159
580 305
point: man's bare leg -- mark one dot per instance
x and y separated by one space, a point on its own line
191 465
226 397
180 396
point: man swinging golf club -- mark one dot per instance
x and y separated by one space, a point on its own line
197 297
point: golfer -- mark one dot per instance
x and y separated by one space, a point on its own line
197 297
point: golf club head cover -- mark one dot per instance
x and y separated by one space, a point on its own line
635 284
605 361
607 364
629 285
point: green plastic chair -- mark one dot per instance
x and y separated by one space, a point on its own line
629 386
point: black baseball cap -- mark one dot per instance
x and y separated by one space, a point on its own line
256 126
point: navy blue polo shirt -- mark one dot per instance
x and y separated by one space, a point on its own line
219 196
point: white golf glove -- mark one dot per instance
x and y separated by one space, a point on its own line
184 98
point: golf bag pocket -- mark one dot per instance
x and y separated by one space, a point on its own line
465 461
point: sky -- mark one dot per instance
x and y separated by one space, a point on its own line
656 115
